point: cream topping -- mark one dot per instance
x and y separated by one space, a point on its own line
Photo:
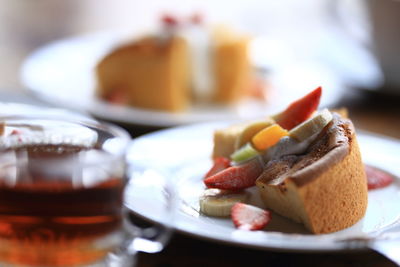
328 148
200 44
288 146
308 131
201 61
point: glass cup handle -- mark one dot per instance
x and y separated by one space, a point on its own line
150 239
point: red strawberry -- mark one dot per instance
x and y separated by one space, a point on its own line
15 132
300 110
196 18
169 20
377 178
248 217
220 163
236 177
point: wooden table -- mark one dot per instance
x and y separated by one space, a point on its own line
370 112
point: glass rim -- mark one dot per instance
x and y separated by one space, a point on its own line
121 135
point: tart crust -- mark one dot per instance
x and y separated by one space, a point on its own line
326 188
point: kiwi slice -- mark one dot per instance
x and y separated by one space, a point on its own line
244 153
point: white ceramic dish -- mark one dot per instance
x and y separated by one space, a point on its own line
22 109
62 73
183 154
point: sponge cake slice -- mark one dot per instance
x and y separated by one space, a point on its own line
326 188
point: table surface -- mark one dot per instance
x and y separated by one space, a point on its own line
369 111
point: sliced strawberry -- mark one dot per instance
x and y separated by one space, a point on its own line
248 217
377 178
300 110
169 20
18 133
15 132
196 18
236 177
220 163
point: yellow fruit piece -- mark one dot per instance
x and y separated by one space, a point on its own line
219 202
268 137
311 126
230 139
225 140
251 130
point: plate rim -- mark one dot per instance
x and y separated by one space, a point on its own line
118 113
132 115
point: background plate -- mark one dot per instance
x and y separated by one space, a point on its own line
62 73
23 109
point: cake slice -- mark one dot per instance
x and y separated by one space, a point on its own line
306 164
149 73
325 188
176 67
231 64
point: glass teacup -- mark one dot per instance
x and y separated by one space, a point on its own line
61 194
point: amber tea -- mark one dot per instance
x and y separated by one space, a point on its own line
55 212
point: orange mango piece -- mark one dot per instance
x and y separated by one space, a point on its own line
268 137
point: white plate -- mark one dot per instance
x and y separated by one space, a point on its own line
62 73
184 154
22 109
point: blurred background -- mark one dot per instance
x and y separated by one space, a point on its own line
347 46
350 47
339 35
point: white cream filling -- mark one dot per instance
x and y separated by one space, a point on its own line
201 61
288 146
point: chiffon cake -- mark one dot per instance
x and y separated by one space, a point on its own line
172 70
324 188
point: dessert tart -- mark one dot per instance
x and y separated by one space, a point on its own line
305 163
325 187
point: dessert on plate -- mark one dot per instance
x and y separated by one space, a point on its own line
305 163
183 63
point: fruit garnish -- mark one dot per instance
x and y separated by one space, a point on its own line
225 140
196 18
218 202
268 137
236 177
15 132
299 111
248 217
251 130
377 178
246 152
220 163
257 88
169 20
311 126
